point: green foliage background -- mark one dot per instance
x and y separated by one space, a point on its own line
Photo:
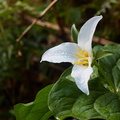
21 74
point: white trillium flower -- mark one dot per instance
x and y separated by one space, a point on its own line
80 55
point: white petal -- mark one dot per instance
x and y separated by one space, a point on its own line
86 33
81 74
61 53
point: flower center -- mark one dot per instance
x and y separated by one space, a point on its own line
82 58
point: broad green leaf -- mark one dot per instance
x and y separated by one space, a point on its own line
108 106
116 75
100 52
113 48
96 48
74 33
37 110
66 100
111 65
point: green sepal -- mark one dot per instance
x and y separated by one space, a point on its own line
74 33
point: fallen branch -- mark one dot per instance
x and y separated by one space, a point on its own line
47 24
56 27
35 20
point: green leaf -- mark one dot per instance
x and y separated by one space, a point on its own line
74 33
116 75
66 100
110 47
111 66
108 106
100 52
37 110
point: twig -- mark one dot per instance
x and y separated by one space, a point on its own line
35 20
47 24
56 27
103 41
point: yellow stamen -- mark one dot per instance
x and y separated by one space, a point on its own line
82 58
84 53
78 56
81 63
81 51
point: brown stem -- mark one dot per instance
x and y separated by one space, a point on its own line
67 30
35 21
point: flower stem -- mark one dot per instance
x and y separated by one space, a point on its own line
106 77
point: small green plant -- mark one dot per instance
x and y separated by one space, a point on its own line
88 90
